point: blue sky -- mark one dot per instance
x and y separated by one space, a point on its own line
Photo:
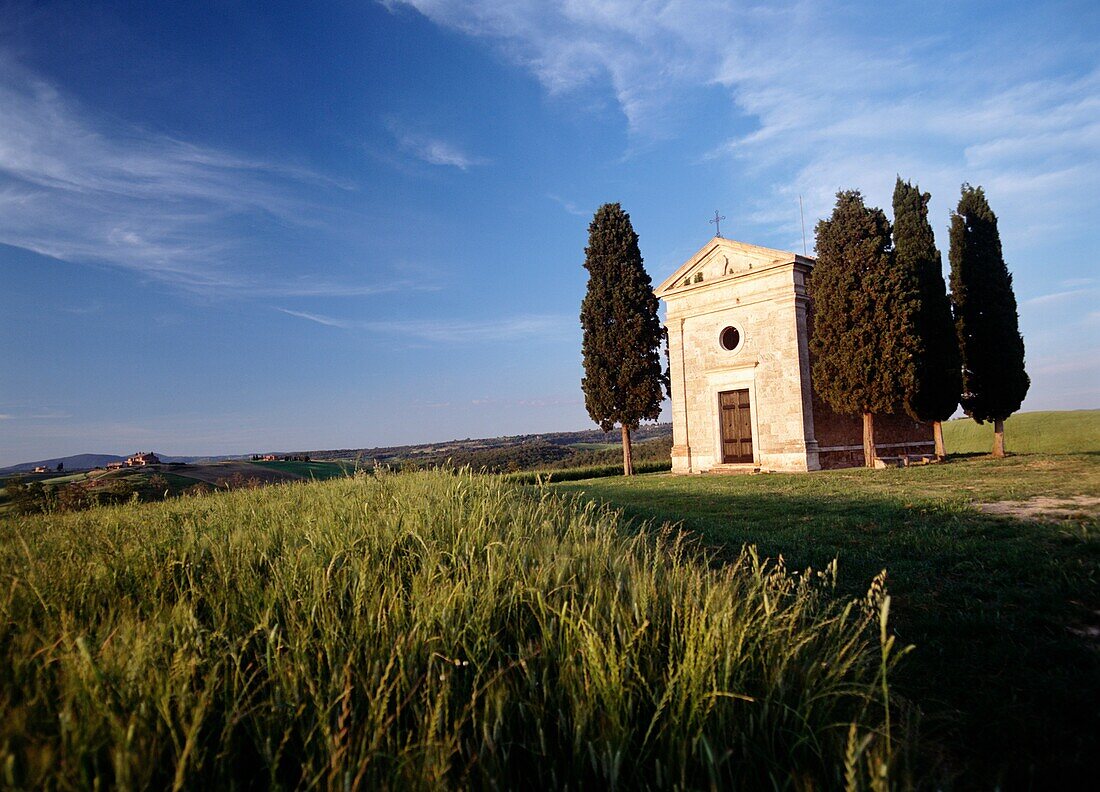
230 227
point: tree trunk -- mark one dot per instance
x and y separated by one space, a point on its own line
868 440
937 432
998 438
628 458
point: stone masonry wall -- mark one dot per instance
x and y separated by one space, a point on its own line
763 305
840 437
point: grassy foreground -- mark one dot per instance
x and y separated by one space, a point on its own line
424 630
1004 611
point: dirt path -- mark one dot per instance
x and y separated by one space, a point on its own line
1078 507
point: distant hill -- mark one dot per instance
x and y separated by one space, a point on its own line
75 462
566 443
476 452
86 462
1040 432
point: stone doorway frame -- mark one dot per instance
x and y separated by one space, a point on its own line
741 377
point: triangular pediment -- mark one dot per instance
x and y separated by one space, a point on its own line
724 258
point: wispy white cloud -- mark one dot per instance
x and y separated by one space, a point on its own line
305 287
82 187
441 331
1069 362
642 50
327 321
515 328
41 415
433 150
568 206
84 310
1060 296
830 108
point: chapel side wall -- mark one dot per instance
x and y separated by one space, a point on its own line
764 307
840 437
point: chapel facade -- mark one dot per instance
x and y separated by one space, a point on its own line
738 320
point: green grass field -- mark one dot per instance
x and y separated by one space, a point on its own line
586 472
312 471
595 446
1003 612
426 631
1061 432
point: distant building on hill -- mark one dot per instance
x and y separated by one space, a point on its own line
41 469
115 465
738 323
142 459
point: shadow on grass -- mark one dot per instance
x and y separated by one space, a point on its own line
1005 669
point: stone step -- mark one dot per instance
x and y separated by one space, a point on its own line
734 469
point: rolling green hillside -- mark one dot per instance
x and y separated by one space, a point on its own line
1053 432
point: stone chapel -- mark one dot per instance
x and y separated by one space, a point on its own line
738 337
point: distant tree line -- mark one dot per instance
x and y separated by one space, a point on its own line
283 457
531 455
886 336
394 455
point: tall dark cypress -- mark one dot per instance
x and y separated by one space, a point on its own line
624 381
862 309
937 368
994 382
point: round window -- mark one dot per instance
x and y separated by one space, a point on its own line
730 338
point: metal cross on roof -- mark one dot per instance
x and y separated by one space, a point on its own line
716 221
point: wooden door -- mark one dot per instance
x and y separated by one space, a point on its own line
736 426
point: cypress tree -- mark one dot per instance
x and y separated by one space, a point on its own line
994 382
937 377
622 336
862 308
